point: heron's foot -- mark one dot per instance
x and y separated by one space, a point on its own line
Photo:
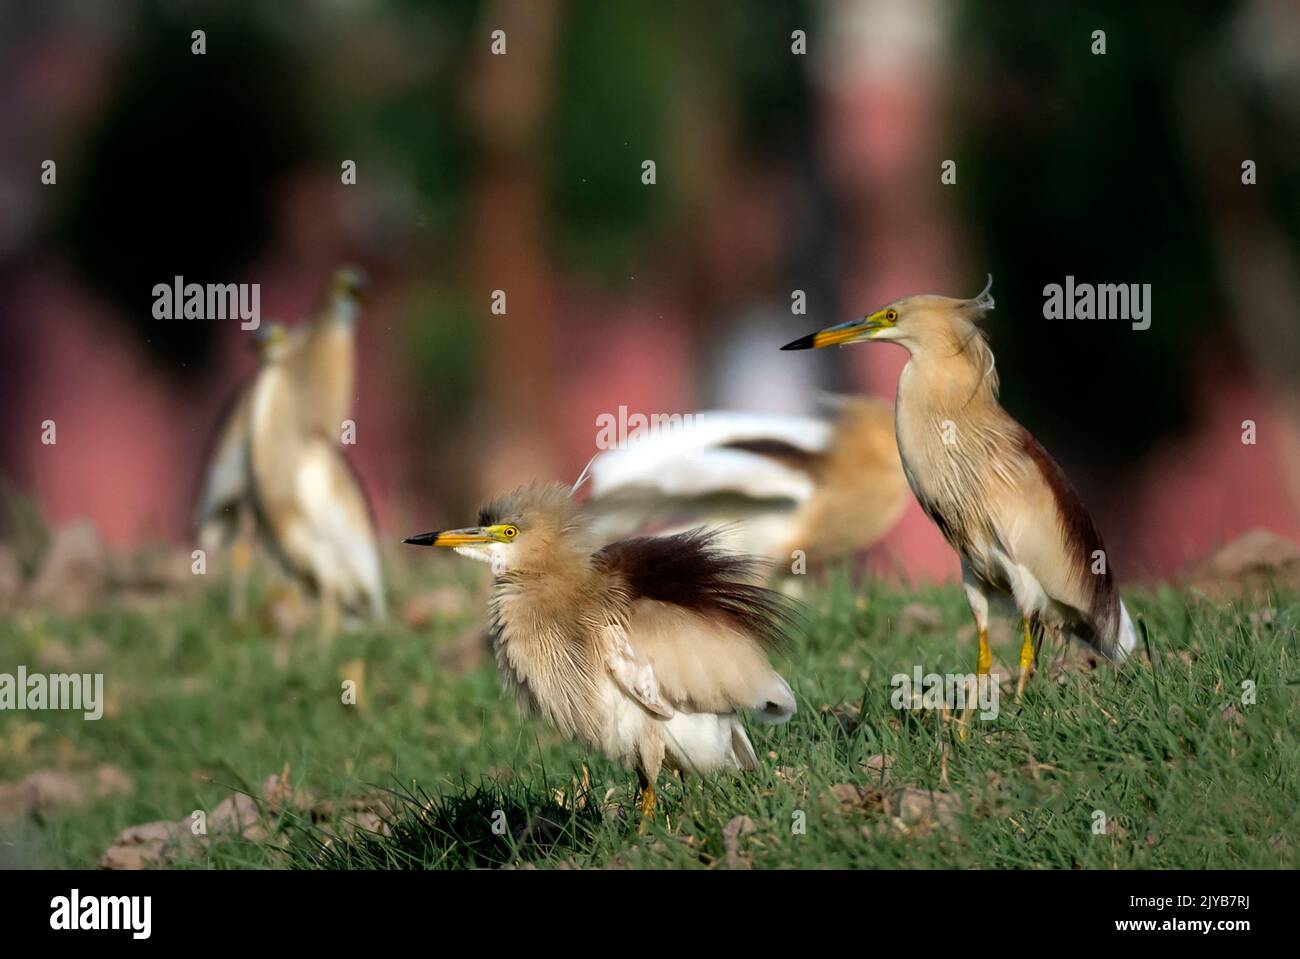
648 799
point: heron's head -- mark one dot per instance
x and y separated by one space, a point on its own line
913 322
349 283
273 342
531 528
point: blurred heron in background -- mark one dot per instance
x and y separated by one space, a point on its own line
999 499
326 364
224 517
648 649
773 483
310 506
314 384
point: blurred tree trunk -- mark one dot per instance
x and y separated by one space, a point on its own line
509 99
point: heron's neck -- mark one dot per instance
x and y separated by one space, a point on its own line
560 565
344 311
949 374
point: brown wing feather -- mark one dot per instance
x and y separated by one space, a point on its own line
689 570
702 664
1081 538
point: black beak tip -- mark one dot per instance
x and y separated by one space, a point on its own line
803 343
423 539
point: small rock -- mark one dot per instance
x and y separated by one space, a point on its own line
1256 550
732 833
16 800
1232 716
150 845
279 793
45 790
368 821
1254 562
922 810
848 717
918 617
236 813
878 768
1113 828
851 795
73 574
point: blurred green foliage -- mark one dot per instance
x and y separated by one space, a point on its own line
616 81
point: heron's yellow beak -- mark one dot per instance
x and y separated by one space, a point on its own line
851 332
452 537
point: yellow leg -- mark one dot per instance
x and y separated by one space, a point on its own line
1026 662
982 667
648 798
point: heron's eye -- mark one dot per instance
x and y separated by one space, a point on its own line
891 316
510 532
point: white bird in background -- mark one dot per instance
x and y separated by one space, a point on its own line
309 504
775 484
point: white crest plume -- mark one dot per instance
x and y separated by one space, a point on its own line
984 301
583 476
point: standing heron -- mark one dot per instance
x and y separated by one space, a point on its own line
775 484
997 496
325 358
648 650
224 516
309 504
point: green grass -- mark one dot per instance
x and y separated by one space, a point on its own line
198 709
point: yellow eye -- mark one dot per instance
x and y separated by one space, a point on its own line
891 316
510 532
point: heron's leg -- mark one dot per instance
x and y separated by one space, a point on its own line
1026 661
647 772
241 561
329 615
648 797
979 607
